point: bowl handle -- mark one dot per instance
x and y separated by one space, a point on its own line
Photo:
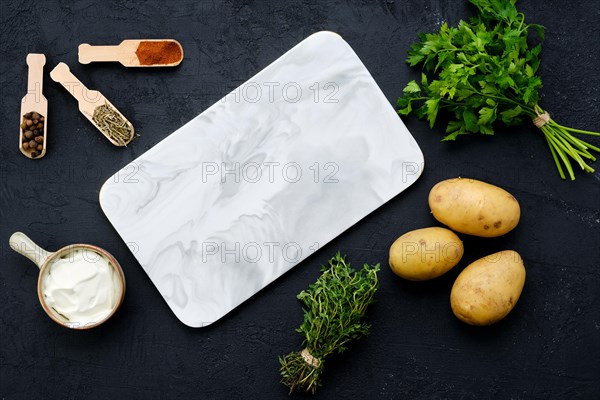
23 245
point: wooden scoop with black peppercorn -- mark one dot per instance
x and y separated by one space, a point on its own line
135 53
34 110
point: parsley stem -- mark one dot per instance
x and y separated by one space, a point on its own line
506 99
584 146
565 132
530 110
557 147
568 148
560 170
577 130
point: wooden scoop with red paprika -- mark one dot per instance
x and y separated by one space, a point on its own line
135 53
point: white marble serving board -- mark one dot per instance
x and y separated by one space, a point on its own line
262 179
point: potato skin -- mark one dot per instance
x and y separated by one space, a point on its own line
425 253
473 207
488 289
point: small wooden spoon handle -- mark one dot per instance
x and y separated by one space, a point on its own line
35 78
88 53
62 74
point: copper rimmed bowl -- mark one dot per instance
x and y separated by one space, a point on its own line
44 260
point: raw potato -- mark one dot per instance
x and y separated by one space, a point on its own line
488 289
474 207
425 253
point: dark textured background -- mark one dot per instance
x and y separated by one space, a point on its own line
548 347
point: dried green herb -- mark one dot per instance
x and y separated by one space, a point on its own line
335 305
483 71
112 124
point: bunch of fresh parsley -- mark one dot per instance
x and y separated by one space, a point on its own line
483 71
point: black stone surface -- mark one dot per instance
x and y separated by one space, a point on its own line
547 348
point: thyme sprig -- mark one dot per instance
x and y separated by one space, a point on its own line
335 305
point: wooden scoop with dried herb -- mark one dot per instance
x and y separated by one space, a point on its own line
95 107
335 306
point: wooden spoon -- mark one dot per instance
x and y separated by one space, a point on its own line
34 100
88 100
125 53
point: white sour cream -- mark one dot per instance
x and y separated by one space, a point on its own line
82 286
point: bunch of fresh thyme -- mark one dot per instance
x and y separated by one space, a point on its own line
335 305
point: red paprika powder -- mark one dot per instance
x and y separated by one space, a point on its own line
158 52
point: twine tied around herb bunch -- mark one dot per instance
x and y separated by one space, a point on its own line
541 119
309 358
